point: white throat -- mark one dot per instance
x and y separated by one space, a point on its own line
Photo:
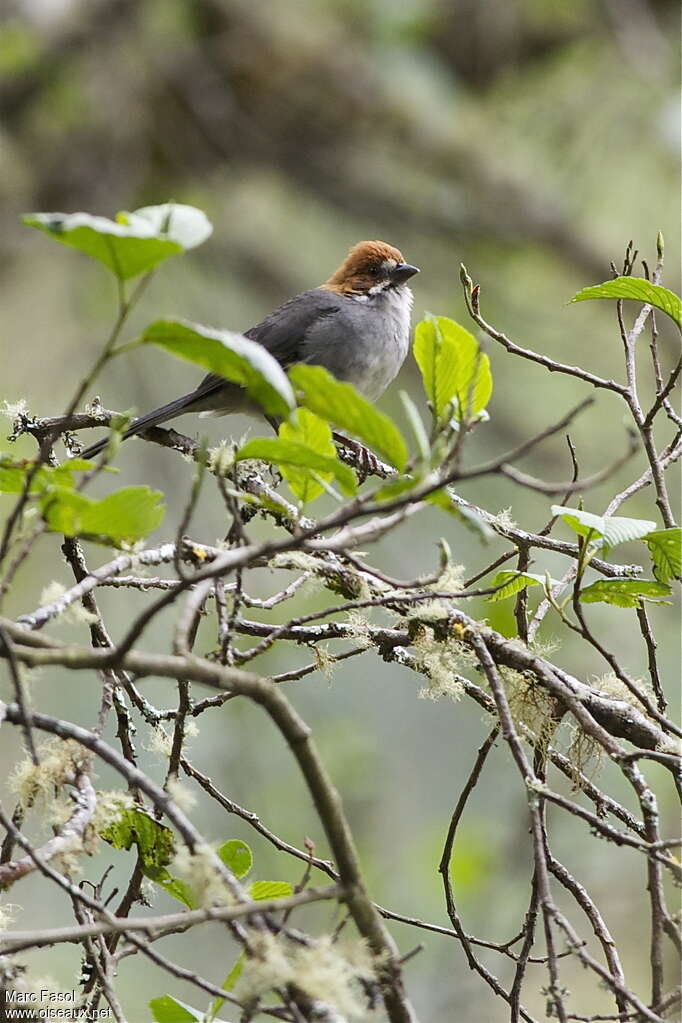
395 300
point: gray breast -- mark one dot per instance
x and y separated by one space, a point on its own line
366 342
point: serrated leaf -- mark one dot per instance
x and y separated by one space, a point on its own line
340 404
512 582
169 1010
455 373
126 249
289 453
186 225
229 355
621 530
639 290
665 548
237 856
315 434
611 529
270 890
126 515
624 592
154 841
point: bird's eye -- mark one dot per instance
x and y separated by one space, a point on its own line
374 271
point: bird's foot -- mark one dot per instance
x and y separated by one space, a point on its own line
359 457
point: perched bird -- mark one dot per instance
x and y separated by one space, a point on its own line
356 325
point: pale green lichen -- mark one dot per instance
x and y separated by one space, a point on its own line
110 806
73 614
428 610
584 753
504 520
58 812
530 703
199 869
359 627
159 741
59 761
451 579
8 914
67 861
325 661
181 795
267 968
14 409
330 973
221 458
610 685
295 560
440 660
46 995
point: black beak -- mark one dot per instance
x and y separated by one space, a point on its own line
403 272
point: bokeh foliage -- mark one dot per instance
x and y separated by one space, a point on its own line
529 139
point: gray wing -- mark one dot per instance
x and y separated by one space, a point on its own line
283 332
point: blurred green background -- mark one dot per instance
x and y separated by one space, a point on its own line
530 139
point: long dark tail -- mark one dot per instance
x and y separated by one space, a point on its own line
159 415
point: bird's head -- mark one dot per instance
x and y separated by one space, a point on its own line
370 268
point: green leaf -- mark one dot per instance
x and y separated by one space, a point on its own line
436 370
185 225
155 846
271 890
169 1010
154 841
13 474
340 404
665 550
237 856
624 592
456 374
228 985
307 429
235 973
396 488
126 249
418 429
74 465
289 453
512 582
229 355
611 529
467 516
124 516
638 289
173 886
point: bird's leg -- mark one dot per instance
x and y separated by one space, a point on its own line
366 463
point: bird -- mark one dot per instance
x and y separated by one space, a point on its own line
356 325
